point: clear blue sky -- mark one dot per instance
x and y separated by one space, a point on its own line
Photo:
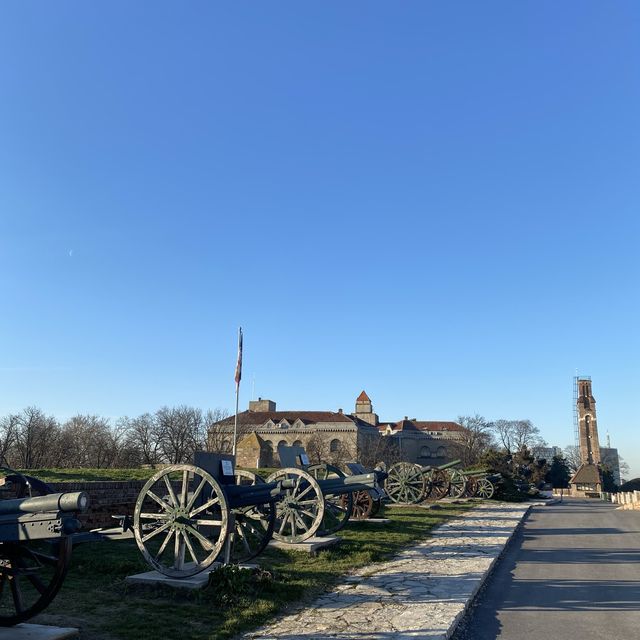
435 202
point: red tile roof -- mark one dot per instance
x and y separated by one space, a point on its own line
363 397
308 417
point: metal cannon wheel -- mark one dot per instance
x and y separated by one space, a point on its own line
471 490
485 488
363 504
337 508
300 511
31 574
181 533
406 483
457 483
438 483
253 524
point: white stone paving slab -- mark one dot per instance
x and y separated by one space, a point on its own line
421 593
26 631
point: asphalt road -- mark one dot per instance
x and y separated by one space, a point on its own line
572 571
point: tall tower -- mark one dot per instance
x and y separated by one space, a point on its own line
587 423
364 409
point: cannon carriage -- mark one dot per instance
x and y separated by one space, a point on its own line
336 489
410 483
367 503
188 516
36 531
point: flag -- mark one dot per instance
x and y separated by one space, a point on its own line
239 365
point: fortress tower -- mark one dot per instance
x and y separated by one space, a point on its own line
587 423
587 480
364 410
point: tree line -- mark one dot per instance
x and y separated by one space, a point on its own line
31 439
511 447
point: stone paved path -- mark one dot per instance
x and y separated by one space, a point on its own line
418 594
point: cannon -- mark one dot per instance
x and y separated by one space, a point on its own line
36 531
367 503
188 516
480 484
321 501
410 483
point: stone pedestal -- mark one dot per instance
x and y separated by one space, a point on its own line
27 631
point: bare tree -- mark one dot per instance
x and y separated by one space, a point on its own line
515 435
8 433
474 440
573 457
316 449
180 431
88 441
375 450
36 440
219 431
142 439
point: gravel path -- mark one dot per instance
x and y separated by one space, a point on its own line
421 593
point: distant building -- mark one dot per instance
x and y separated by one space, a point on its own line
546 453
424 442
611 460
334 436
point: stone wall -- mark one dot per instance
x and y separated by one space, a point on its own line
107 499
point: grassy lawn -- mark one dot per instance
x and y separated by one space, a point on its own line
93 475
96 598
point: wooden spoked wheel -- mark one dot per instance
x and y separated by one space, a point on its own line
438 481
406 483
457 483
31 574
253 524
362 505
300 511
471 490
338 507
485 488
180 521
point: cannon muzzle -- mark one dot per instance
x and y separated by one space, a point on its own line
69 501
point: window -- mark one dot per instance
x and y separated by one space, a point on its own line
297 443
282 443
442 452
334 446
425 452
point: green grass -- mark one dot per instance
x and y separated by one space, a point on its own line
96 598
92 475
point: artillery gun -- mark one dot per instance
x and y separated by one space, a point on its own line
188 516
367 503
328 495
36 530
410 483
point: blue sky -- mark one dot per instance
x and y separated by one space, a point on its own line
436 202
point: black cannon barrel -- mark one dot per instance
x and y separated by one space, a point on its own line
69 501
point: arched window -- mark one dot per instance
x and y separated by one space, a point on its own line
442 452
297 443
425 452
334 446
269 445
282 443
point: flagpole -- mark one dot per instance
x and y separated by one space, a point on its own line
235 422
237 378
